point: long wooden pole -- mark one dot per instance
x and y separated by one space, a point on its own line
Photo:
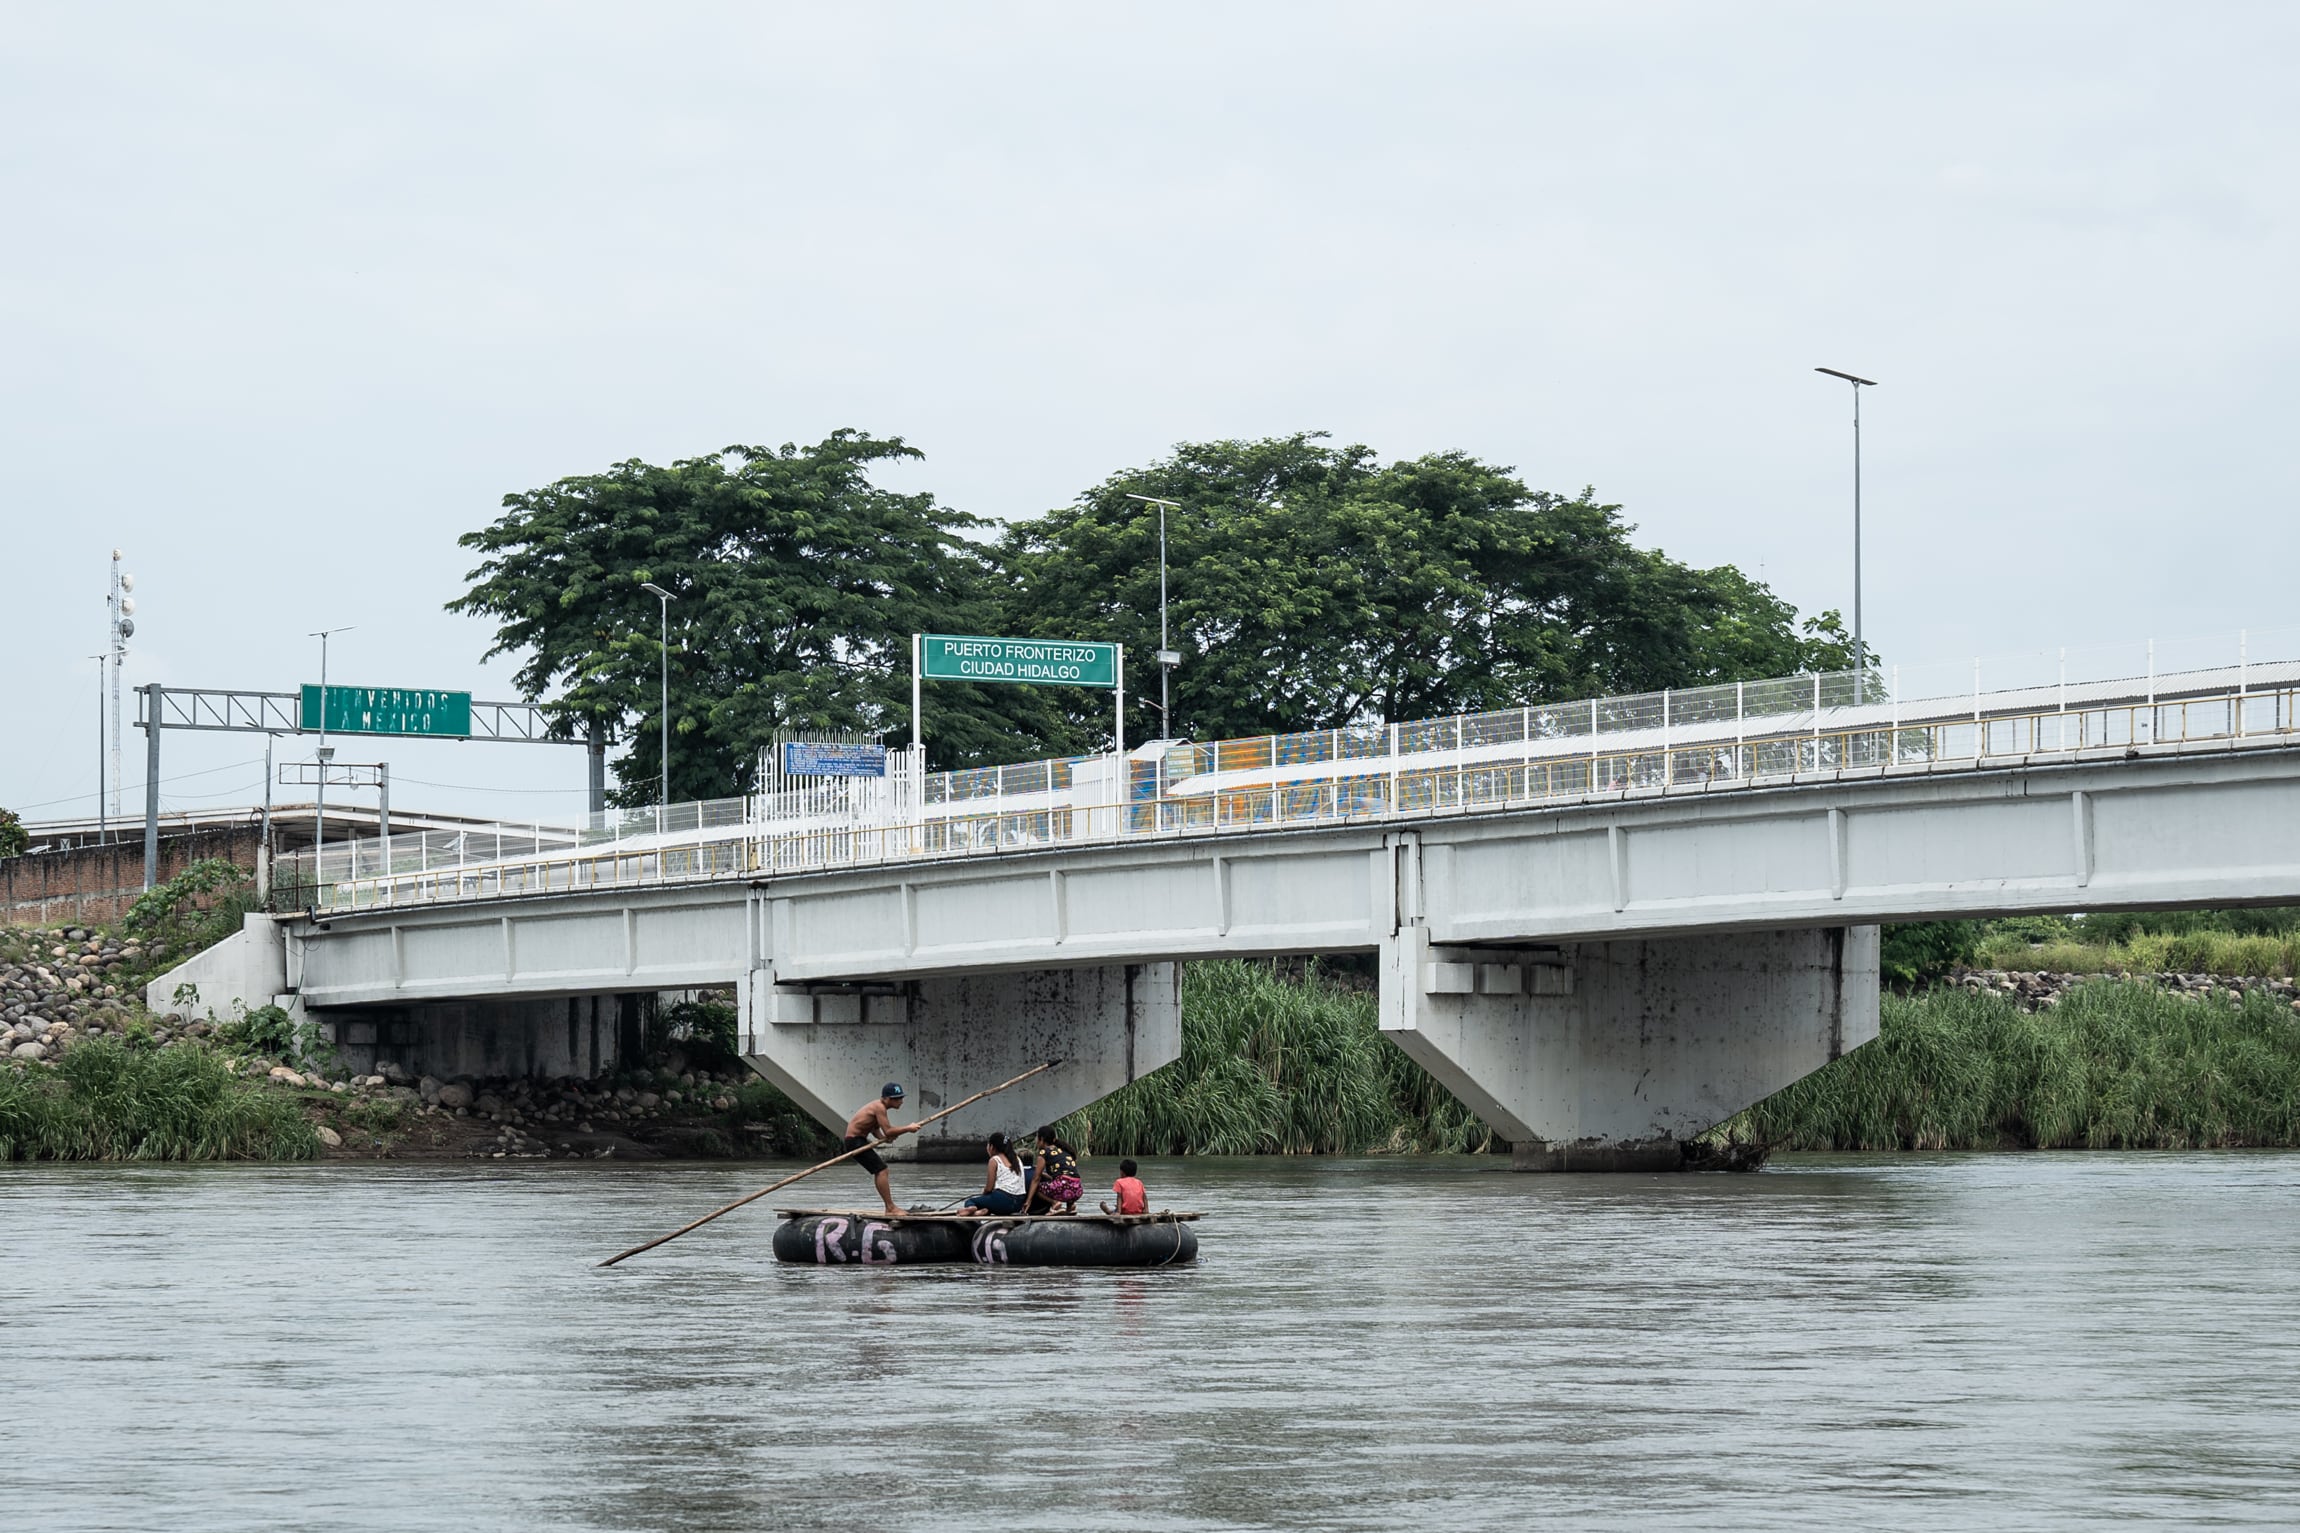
825 1166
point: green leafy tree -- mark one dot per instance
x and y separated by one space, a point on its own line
798 583
1915 952
1315 586
13 836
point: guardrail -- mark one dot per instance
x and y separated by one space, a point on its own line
1669 743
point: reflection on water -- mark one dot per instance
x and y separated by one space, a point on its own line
1924 1342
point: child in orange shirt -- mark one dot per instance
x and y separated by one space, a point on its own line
1133 1197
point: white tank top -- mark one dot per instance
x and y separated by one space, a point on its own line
1009 1177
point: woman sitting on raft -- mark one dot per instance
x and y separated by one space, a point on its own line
1054 1183
1002 1183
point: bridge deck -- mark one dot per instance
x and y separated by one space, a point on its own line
2238 710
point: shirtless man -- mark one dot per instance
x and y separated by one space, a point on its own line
872 1122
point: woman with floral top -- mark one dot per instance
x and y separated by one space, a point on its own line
1054 1183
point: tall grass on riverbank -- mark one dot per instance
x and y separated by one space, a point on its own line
1270 1066
2115 1065
106 1101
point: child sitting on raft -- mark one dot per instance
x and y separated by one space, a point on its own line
1133 1197
1054 1183
1003 1182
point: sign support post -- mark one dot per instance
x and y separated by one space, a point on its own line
153 692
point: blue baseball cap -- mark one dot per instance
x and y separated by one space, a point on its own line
893 1089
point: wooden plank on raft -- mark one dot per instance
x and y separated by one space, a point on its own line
1176 1216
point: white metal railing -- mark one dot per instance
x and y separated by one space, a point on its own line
1731 736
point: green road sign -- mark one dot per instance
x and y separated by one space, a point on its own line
1047 662
388 711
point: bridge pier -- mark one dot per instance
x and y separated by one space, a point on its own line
1607 1056
831 1047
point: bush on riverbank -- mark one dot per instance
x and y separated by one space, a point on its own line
2256 943
2260 955
104 1100
2113 1066
1276 1067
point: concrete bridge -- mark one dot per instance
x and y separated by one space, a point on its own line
1603 941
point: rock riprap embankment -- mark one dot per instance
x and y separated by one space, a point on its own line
2039 989
673 1112
63 984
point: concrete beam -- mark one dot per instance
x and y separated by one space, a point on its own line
1608 1055
830 1049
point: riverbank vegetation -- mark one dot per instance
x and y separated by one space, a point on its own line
2115 1065
2262 943
106 1099
1275 1066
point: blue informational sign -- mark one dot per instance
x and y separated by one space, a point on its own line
806 758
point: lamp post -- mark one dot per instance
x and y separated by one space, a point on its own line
1168 657
319 803
122 607
664 803
1860 647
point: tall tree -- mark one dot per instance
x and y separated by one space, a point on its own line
1314 586
798 583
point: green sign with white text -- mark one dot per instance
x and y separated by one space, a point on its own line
1044 662
388 711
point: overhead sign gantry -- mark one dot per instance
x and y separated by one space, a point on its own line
428 713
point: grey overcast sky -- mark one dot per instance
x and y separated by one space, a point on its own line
293 294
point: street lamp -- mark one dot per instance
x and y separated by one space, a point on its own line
122 606
319 803
1168 657
1860 648
664 803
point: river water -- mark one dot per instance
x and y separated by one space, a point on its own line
1925 1342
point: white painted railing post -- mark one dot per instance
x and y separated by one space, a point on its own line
2242 636
1816 721
2152 691
1668 767
1741 767
1980 730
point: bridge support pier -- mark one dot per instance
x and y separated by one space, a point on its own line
1607 1056
830 1048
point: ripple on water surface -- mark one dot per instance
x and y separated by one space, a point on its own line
1924 1342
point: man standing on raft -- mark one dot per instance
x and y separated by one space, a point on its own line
872 1121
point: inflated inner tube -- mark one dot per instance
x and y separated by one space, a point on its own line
1083 1243
837 1240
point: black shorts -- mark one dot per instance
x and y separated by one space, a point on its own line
868 1159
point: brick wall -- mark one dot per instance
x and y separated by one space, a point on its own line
95 885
